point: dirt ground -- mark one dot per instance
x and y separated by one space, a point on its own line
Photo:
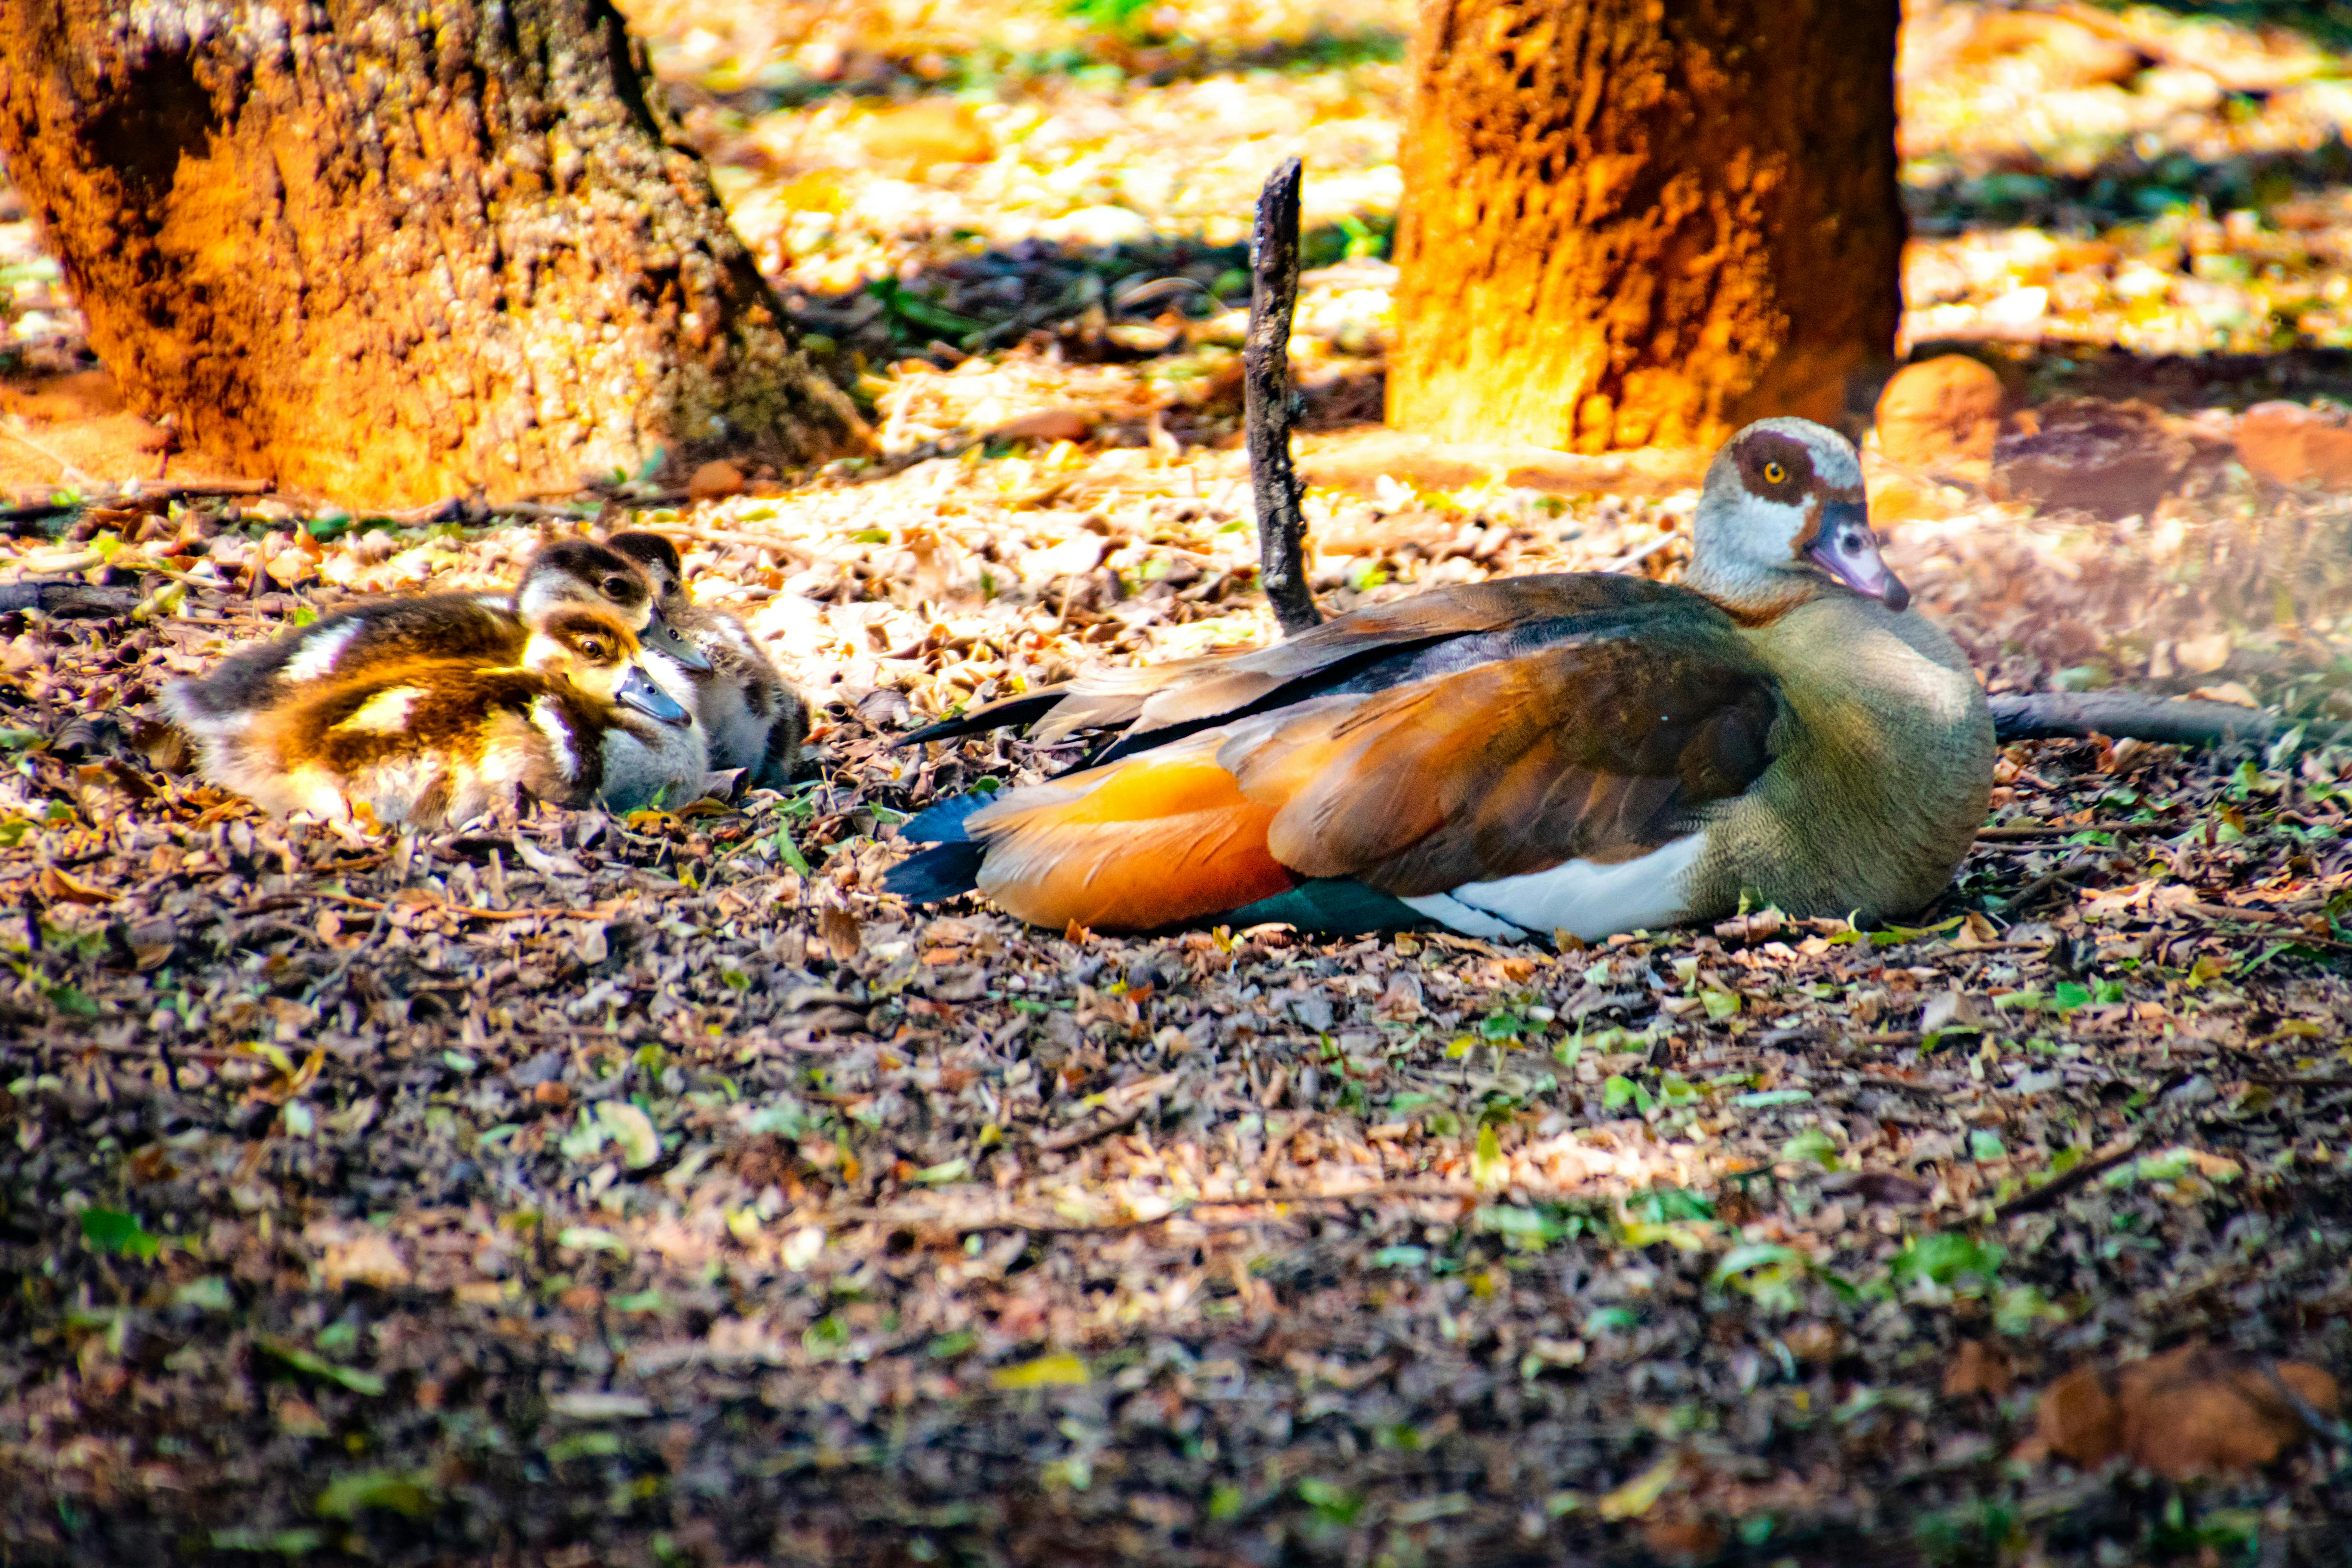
574 1190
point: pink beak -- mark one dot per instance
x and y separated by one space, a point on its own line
1847 550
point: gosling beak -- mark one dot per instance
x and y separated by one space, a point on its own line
637 691
1847 550
671 643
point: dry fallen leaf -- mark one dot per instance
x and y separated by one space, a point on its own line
840 930
2195 1410
1979 1368
368 1258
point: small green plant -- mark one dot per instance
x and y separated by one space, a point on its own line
1122 17
112 1232
1949 1260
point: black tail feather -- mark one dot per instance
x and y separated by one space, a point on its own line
1013 711
936 874
942 823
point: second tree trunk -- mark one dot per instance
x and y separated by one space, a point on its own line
1628 223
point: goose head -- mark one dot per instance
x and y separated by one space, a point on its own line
1782 518
664 572
595 652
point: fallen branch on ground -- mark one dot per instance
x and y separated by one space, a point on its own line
2131 715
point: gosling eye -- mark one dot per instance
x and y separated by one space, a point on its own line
592 649
616 588
1776 472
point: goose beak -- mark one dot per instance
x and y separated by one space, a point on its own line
1847 550
671 643
637 691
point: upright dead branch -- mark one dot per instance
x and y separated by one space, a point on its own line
1266 409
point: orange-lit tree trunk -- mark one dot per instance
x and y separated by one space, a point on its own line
386 251
1630 222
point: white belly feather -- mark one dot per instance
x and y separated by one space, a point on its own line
1585 899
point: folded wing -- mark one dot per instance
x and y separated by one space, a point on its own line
1366 650
1624 718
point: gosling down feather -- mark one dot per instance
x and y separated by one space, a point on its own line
431 742
1583 754
491 628
746 714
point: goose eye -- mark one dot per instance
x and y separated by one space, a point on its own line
1776 472
616 587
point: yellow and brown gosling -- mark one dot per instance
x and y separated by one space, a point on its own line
748 716
431 742
483 629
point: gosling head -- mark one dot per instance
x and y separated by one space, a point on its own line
593 651
583 572
664 572
1782 518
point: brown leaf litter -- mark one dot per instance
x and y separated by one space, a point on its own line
643 1190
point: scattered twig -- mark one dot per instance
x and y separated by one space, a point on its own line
22 522
2027 896
2316 1424
469 911
195 489
66 598
2267 921
1633 558
13 428
1087 1131
2049 1192
2133 715
2011 833
1266 404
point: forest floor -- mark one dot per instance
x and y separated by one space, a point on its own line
573 1190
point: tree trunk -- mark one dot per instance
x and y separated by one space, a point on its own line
1630 222
386 252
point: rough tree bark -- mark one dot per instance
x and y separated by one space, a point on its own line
1629 223
386 251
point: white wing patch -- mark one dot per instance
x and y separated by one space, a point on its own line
317 659
1584 898
1454 915
386 713
547 717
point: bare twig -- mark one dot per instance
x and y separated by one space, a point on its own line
2015 832
66 598
1267 414
1069 1138
2133 715
24 522
2049 1192
1633 558
2025 897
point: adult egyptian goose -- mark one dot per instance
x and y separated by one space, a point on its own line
748 716
1582 753
486 628
430 741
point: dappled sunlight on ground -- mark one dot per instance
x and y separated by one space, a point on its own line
656 1189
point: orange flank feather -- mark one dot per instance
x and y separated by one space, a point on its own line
1162 838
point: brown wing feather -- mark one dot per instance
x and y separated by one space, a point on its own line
1601 750
1188 690
1596 751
